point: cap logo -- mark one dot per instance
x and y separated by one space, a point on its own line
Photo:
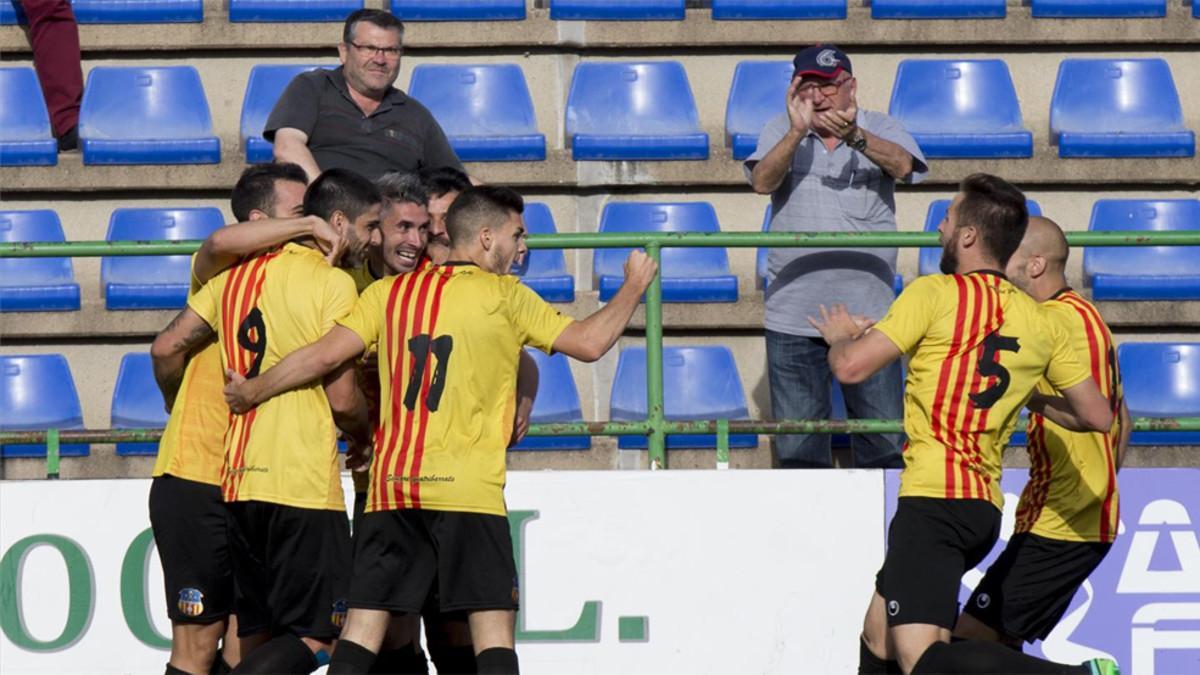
827 58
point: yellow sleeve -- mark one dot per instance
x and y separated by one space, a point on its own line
366 318
194 283
340 298
909 317
204 300
538 324
1065 369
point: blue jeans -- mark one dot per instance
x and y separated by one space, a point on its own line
798 372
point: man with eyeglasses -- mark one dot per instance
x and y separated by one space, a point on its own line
352 117
829 167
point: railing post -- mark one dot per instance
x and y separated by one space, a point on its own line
722 444
657 440
52 454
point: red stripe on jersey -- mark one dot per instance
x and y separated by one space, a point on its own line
939 397
958 401
251 291
419 448
395 328
403 491
987 295
228 308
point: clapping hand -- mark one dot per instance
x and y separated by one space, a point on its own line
838 324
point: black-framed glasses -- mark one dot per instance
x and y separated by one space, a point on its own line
373 51
829 89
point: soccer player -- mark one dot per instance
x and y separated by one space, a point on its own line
443 185
291 541
1067 516
978 346
187 513
448 340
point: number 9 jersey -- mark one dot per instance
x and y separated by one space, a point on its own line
978 346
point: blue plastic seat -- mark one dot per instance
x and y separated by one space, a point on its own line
931 256
265 86
557 401
119 11
778 9
459 10
633 110
1161 379
153 282
25 136
155 115
616 10
756 95
545 269
699 383
35 284
38 392
1098 9
937 9
965 108
137 403
485 110
1144 272
270 11
688 274
1118 108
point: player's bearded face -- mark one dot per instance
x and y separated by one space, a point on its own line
508 245
360 233
439 240
949 263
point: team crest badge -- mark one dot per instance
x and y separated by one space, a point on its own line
893 608
191 602
983 600
516 591
338 617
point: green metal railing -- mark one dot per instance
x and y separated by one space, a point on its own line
655 427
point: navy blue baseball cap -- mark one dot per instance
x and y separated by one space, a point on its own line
823 61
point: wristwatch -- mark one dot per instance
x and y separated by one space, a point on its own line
858 141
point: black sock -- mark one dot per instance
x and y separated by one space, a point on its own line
406 660
172 670
351 658
868 663
283 654
979 657
219 665
453 660
497 661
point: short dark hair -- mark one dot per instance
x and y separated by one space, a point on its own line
256 187
340 190
444 179
997 209
378 17
396 186
478 206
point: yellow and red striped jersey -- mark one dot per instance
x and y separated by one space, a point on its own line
284 451
448 339
1072 490
978 346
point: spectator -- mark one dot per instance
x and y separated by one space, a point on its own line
829 167
54 37
352 117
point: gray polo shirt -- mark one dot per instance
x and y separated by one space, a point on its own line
401 135
838 191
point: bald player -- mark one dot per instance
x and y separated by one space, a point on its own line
1067 516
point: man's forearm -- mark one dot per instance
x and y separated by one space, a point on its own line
296 369
230 244
769 172
297 153
605 327
168 373
1058 410
892 158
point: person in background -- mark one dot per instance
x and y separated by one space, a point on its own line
54 37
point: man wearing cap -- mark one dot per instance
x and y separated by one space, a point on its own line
829 167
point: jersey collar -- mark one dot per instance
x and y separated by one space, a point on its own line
996 273
1061 291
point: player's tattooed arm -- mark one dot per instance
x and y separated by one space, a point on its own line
171 348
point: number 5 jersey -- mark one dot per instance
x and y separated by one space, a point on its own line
978 346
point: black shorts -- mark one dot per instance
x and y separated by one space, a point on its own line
1027 590
191 531
291 566
403 557
931 543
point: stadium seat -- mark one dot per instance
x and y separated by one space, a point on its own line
25 135
557 401
1118 108
153 282
1144 272
699 383
616 10
1098 9
756 95
688 274
633 110
146 115
119 11
137 403
485 110
761 261
957 109
938 9
545 269
266 11
1161 379
778 9
38 392
35 284
265 86
459 10
931 256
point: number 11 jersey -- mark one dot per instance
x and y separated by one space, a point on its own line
978 346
